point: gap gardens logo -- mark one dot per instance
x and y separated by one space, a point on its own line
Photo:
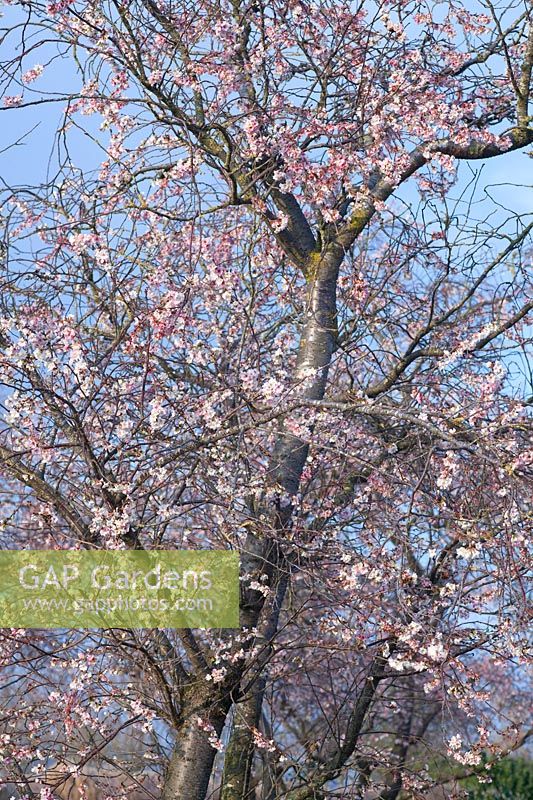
108 589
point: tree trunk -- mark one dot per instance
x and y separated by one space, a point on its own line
191 763
317 345
241 747
394 777
240 751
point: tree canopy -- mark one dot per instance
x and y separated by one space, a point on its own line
256 295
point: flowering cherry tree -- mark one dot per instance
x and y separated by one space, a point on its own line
256 305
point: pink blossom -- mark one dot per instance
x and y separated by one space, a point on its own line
10 101
32 74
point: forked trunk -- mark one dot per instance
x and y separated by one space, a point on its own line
192 760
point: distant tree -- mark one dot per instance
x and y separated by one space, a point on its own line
511 779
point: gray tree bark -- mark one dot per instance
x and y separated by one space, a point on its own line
191 763
317 345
